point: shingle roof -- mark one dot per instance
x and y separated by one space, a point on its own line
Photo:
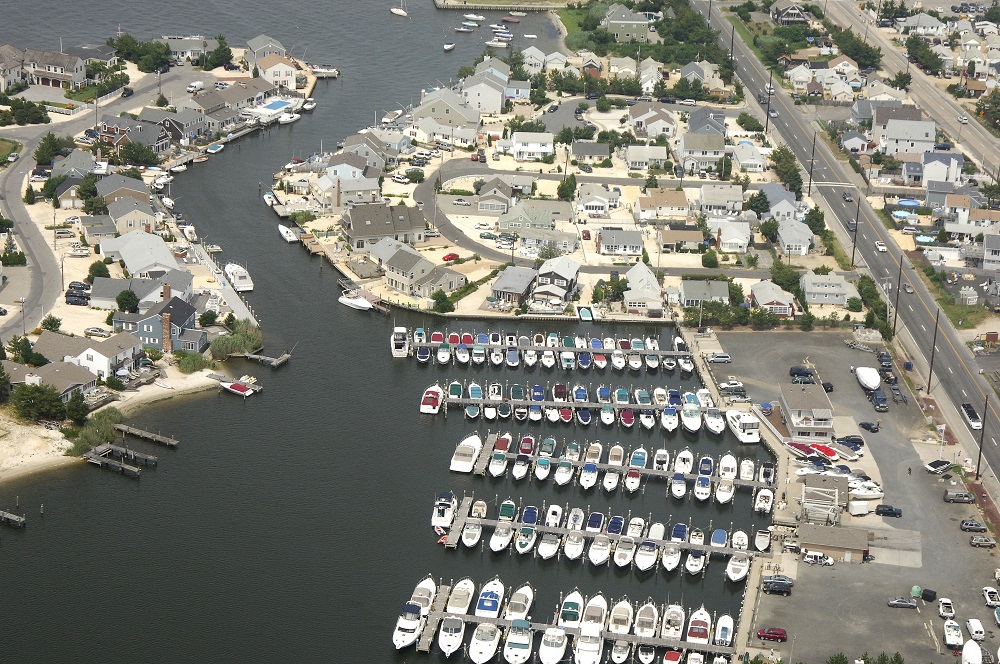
113 183
514 279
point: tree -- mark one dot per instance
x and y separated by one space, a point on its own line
162 101
208 318
138 154
769 229
220 55
97 269
29 195
603 104
51 323
903 79
131 173
154 354
36 402
76 408
18 349
710 259
651 182
749 122
50 147
854 304
807 322
548 251
786 167
94 205
758 203
127 301
442 304
4 385
814 220
567 188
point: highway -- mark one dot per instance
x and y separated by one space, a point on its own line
955 372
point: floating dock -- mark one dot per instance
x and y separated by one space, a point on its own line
147 435
13 520
557 349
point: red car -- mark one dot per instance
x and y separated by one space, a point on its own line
586 235
450 257
772 634
475 157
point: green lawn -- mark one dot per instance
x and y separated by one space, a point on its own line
6 147
571 18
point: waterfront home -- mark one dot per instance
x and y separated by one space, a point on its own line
513 285
373 151
626 25
747 158
440 277
695 292
618 242
446 107
794 237
11 66
247 93
524 215
644 293
102 357
720 198
172 283
116 186
532 145
700 151
144 254
643 157
622 67
205 103
903 136
348 180
188 48
222 121
54 69
66 194
769 296
392 143
675 237
130 215
555 61
115 131
496 196
533 60
182 124
650 120
364 225
485 92
663 204
260 47
403 267
730 236
597 200
167 326
830 288
785 12
77 164
557 278
781 201
590 151
64 377
533 239
429 130
494 66
278 70
97 227
808 413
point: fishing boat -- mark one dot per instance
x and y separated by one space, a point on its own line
669 419
444 510
738 567
673 623
714 421
399 343
496 357
472 532
400 9
239 277
691 418
745 426
616 458
764 501
484 644
553 646
287 234
449 47
762 540
519 603
488 604
466 454
430 403
699 626
288 118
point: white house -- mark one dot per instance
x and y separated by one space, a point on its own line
663 204
747 158
650 120
730 236
914 137
943 166
145 255
102 357
794 237
278 70
642 157
597 199
532 145
771 297
617 242
700 151
921 24
644 293
721 198
827 289
485 92
781 200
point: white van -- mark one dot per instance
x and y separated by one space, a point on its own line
976 630
197 86
817 558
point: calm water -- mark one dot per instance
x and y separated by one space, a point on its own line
292 526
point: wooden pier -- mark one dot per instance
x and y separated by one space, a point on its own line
272 362
101 456
437 613
147 435
13 520
485 454
559 349
311 244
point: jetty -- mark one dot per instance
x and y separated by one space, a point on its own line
107 455
146 435
13 520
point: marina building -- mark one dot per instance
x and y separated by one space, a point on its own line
808 412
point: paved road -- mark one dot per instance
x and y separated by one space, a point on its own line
956 373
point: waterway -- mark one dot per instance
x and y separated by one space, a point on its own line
293 525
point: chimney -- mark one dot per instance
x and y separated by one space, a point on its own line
166 292
168 341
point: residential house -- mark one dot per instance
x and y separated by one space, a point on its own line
879 91
700 151
592 66
769 296
11 66
957 207
921 24
364 225
781 200
555 61
532 145
943 166
557 277
129 214
808 416
374 151
784 12
597 199
590 151
643 157
533 239
278 70
854 141
651 120
53 69
663 204
494 66
883 114
908 136
485 92
622 68
180 125
188 48
979 220
863 110
524 215
64 377
695 292
116 186
827 289
247 93
97 227
991 252
618 242
794 237
518 89
404 267
77 164
66 194
519 184
626 25
731 236
705 72
145 255
705 120
720 198
533 60
841 92
650 74
747 158
173 283
101 357
428 130
117 131
348 180
496 196
644 293
260 47
513 285
675 237
440 277
167 326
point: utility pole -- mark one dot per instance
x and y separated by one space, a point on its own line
899 287
930 372
767 115
982 433
854 247
732 49
812 162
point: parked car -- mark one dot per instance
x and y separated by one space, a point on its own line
229 66
431 232
3 311
487 236
586 168
873 427
780 578
817 558
585 234
730 385
902 602
77 301
447 258
474 157
888 510
772 634
96 332
483 226
462 202
851 439
719 358
982 541
800 371
400 179
688 102
945 608
79 285
972 526
828 386
127 92
777 588
803 380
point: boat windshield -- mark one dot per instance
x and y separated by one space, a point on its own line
554 640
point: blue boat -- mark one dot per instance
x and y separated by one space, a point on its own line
595 522
638 458
616 525
535 412
706 465
513 358
530 515
596 344
679 533
674 398
604 394
584 360
537 393
423 355
580 393
482 339
719 537
489 603
583 416
475 391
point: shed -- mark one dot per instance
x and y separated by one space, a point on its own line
842 544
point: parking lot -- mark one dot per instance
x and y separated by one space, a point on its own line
840 608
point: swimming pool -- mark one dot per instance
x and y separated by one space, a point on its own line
277 105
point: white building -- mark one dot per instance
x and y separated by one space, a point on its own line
532 145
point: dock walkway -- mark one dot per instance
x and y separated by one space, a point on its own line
272 362
101 456
485 454
147 435
561 349
233 300
437 613
14 520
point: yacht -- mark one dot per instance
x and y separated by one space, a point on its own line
691 418
671 557
466 454
287 234
647 620
504 532
589 645
714 421
624 551
519 603
724 631
740 540
288 118
684 461
452 635
620 621
574 545
553 646
484 644
549 546
517 646
400 342
411 619
745 425
571 610
444 510
724 490
488 604
238 277
460 598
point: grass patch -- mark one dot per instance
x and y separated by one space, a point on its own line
970 316
571 19
839 255
6 147
886 220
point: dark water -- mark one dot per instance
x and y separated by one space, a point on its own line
292 526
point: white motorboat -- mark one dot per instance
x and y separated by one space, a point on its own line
616 458
588 475
868 377
669 419
728 466
450 46
519 603
553 646
287 234
740 540
765 499
288 118
430 404
661 459
444 510
762 540
517 646
466 454
647 620
600 550
700 626
354 300
589 645
474 17
409 625
461 596
702 487
548 359
543 467
496 43
684 461
530 358
863 491
553 516
179 168
399 343
624 551
504 532
745 425
462 356
738 567
691 418
239 277
714 421
620 621
498 462
618 360
724 491
472 532
686 364
673 622
574 545
451 635
571 610
671 557
678 486
484 644
746 469
648 552
310 104
633 480
564 473
490 597
695 561
549 546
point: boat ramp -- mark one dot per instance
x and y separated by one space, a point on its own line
437 614
147 435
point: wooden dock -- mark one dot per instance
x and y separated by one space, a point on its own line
311 243
484 456
455 534
272 362
101 456
561 349
437 613
13 520
147 435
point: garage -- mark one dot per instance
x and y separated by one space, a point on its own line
847 545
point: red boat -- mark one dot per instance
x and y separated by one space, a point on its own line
510 19
453 338
431 402
467 338
503 443
799 449
826 451
437 337
566 415
627 416
672 657
236 388
624 344
527 445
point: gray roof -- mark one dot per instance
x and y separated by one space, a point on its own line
260 41
704 119
617 236
791 231
944 157
882 114
705 289
113 183
591 149
807 397
837 537
864 109
776 193
706 142
54 58
404 260
514 280
127 204
910 130
381 219
101 224
63 376
68 184
107 288
715 194
54 346
178 309
79 160
564 266
768 291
